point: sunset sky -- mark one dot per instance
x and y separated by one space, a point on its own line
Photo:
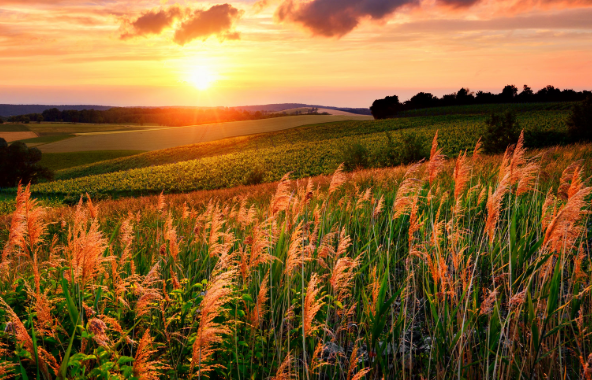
329 52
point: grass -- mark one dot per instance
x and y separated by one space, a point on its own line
47 128
13 127
60 161
46 139
377 273
487 109
305 151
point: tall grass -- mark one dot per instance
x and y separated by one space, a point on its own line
470 268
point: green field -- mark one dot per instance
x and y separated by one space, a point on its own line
477 109
60 161
305 151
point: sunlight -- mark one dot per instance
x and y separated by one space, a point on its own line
201 77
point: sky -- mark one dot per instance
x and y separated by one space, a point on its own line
326 52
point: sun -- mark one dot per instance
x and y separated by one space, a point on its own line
201 77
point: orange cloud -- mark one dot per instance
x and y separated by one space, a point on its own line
218 20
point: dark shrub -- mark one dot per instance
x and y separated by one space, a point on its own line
385 108
254 176
579 123
355 156
20 163
406 148
501 130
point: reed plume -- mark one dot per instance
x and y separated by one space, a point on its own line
437 160
353 364
312 305
405 194
258 312
284 371
282 197
338 179
144 368
494 206
210 333
461 174
564 229
342 275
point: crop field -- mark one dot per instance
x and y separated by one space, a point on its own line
472 268
487 109
60 161
304 152
177 136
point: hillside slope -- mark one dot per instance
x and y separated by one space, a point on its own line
305 151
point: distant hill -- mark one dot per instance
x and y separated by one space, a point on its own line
24 109
7 110
289 106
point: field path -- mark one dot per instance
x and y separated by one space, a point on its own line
15 136
171 137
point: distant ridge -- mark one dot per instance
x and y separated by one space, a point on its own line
7 110
23 109
286 106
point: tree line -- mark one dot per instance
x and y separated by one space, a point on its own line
391 106
169 116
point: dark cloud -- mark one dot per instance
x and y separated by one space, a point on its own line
152 22
458 3
217 21
336 18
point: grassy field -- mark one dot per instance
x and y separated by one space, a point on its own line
177 136
305 151
487 109
61 161
473 269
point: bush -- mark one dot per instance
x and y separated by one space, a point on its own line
579 123
20 163
255 176
355 156
501 131
408 148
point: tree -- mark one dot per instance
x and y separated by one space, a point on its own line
464 96
20 163
501 131
526 95
579 123
385 108
509 93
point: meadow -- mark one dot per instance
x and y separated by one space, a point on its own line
473 267
305 151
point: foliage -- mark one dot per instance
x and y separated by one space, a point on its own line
255 176
501 130
580 121
20 163
355 156
376 273
464 97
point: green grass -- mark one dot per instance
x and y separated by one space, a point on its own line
60 161
13 127
46 139
439 283
305 151
47 128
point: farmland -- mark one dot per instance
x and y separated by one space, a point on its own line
162 138
305 151
474 267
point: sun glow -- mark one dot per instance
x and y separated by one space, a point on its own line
201 77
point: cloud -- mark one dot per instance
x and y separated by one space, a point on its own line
218 21
152 22
336 18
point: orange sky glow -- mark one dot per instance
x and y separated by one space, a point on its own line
328 52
